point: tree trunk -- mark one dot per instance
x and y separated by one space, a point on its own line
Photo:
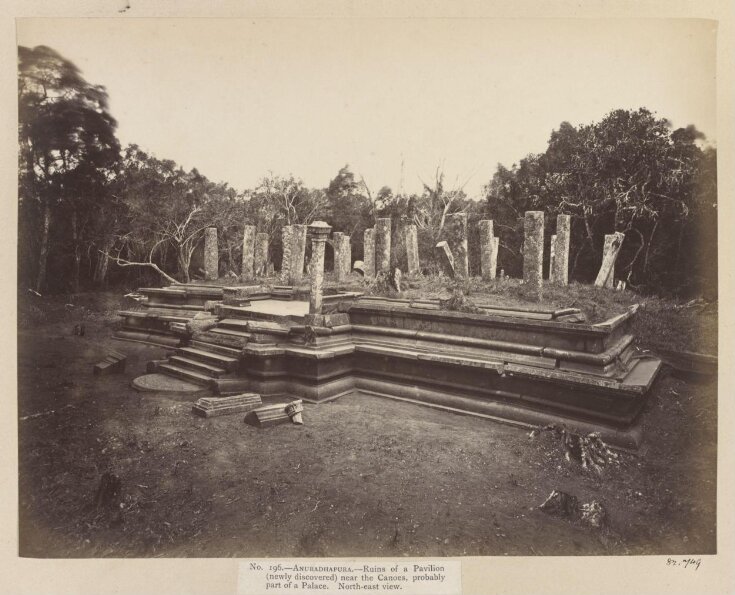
100 271
183 261
43 252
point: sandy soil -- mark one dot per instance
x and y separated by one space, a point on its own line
363 476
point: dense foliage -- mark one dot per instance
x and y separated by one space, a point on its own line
92 212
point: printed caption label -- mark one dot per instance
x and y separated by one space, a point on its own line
343 576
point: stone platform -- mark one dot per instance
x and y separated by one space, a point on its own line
525 366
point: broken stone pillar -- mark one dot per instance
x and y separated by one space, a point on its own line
382 245
551 257
560 268
260 261
533 252
455 231
368 258
445 258
211 254
613 242
488 250
319 232
287 242
412 249
298 253
346 253
248 252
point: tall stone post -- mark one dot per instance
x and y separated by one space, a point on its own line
298 253
346 254
613 243
455 232
339 259
211 254
533 252
412 249
287 242
560 269
552 254
368 259
382 245
494 257
319 232
248 252
488 247
261 254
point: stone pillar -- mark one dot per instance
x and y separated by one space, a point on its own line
455 232
552 253
260 263
560 270
533 252
494 257
346 254
606 276
368 243
248 252
488 249
446 260
339 259
319 232
298 253
287 242
382 245
211 254
412 249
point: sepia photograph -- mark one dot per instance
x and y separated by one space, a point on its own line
374 288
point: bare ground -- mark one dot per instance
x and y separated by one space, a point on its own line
363 476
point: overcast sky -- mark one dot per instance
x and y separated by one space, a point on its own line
239 98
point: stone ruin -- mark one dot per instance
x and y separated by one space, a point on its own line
532 365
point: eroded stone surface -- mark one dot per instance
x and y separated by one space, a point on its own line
369 253
319 232
488 248
248 252
412 249
298 253
533 252
455 233
613 243
286 240
446 259
560 269
382 245
261 254
211 254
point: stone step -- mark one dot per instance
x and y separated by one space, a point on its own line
234 333
185 374
221 339
209 357
221 349
234 322
197 366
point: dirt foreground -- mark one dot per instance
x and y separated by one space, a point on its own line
364 476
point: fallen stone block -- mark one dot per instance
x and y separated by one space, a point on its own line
593 514
216 406
273 415
114 362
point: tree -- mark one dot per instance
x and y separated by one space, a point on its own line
629 172
68 149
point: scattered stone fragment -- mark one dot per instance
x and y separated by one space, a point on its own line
294 410
561 504
216 406
271 415
113 362
594 514
79 330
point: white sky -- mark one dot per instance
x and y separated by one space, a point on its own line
239 98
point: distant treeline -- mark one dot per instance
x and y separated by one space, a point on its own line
92 213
